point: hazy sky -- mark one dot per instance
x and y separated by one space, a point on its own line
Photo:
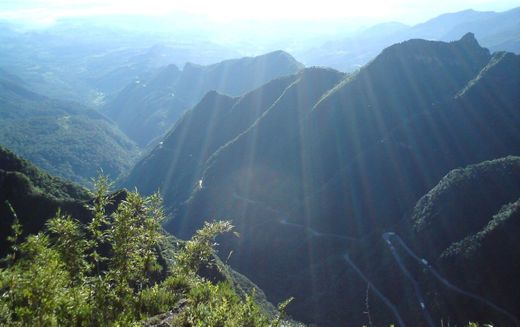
407 11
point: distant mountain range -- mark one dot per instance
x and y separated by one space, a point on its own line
146 109
86 61
318 169
498 31
64 138
112 51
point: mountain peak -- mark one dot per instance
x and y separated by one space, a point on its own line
469 38
281 54
469 44
465 52
278 53
210 97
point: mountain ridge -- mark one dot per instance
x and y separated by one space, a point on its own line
338 161
146 110
497 31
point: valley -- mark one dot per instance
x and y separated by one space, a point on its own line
374 177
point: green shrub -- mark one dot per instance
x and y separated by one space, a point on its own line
105 273
218 305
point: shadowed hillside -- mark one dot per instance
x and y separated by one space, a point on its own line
146 109
63 138
34 195
335 162
175 166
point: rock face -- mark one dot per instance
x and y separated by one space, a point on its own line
315 168
146 109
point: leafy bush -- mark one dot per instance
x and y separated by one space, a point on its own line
106 272
218 305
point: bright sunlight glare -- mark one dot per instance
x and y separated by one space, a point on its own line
407 11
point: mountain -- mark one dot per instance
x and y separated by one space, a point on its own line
347 121
64 138
453 253
111 72
176 164
496 31
234 77
466 225
146 109
34 195
455 215
446 23
92 68
333 163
